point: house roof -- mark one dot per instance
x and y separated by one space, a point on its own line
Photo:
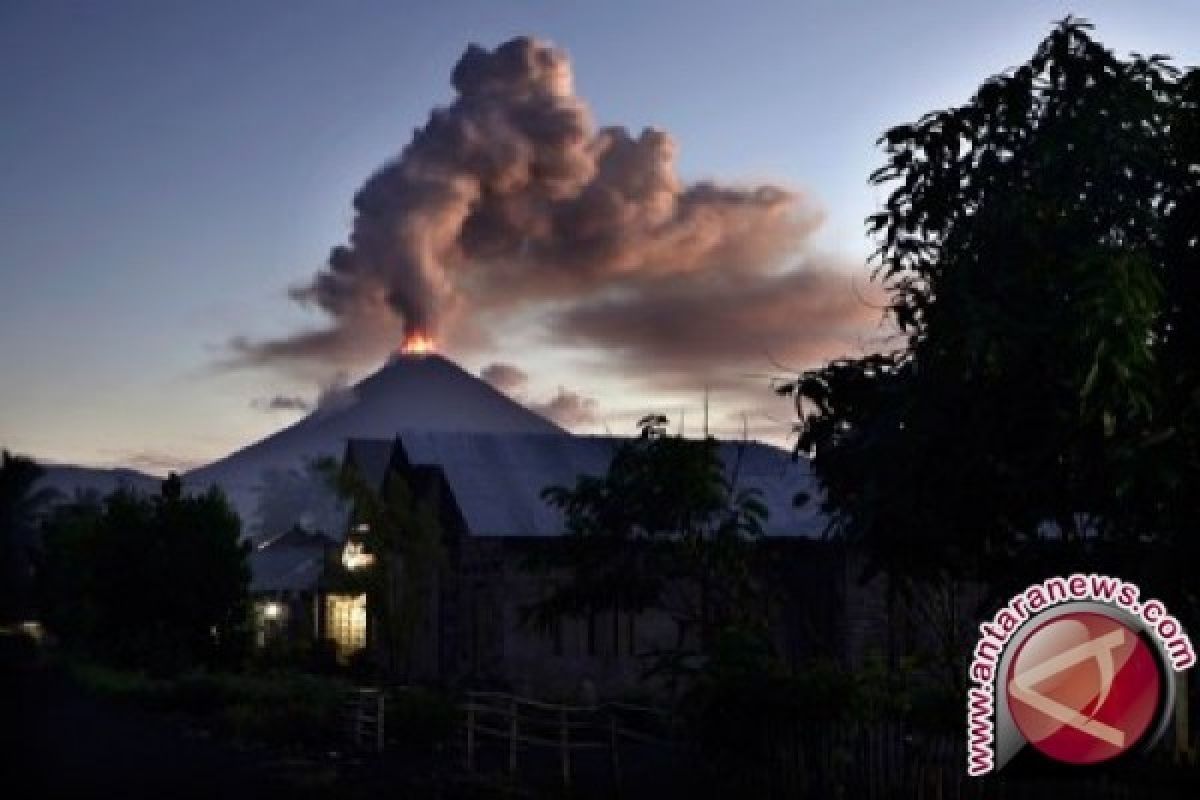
286 568
371 457
298 537
497 479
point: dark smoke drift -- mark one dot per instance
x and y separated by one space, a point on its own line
511 196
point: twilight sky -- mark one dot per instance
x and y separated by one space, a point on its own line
168 171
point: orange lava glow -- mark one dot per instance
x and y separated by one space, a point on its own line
417 344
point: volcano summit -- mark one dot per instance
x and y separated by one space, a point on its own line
411 392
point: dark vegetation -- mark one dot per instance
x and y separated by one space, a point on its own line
404 535
287 709
146 599
20 504
156 583
664 513
1040 413
1042 408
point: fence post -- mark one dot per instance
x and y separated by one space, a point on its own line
564 747
616 759
470 735
512 738
380 708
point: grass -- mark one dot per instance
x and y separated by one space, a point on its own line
292 710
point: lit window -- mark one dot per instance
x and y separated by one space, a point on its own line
346 619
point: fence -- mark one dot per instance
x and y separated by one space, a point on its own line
522 725
363 714
635 751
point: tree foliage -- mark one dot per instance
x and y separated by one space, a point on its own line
153 582
403 533
20 505
665 528
1041 244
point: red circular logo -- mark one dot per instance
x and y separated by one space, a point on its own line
1083 688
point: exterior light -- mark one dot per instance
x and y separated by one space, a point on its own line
354 556
272 610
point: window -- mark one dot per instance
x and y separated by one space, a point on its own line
346 619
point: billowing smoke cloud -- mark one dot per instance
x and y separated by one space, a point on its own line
507 378
509 196
715 328
567 408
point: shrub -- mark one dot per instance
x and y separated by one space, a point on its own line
17 649
282 708
420 718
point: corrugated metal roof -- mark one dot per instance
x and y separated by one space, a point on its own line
498 479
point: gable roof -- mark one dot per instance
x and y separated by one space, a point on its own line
286 569
371 458
497 479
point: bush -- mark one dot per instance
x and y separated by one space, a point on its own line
322 658
281 709
291 719
420 718
126 686
17 649
157 583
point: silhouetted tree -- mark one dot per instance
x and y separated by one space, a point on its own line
155 582
664 528
403 534
1041 244
20 505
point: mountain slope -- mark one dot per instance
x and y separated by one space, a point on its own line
419 392
68 480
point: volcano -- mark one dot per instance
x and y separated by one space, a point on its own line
425 392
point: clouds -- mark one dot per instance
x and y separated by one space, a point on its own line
153 462
507 378
282 402
335 392
511 196
359 339
568 408
706 330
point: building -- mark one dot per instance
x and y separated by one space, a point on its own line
486 492
286 574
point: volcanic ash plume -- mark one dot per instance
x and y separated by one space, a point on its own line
509 196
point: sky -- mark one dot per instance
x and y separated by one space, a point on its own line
168 171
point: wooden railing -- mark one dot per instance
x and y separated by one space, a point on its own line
522 723
363 715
